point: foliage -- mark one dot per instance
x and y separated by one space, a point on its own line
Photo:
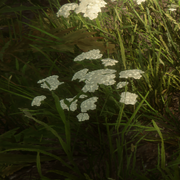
47 46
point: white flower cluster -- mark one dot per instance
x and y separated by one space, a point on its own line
135 73
121 84
73 105
88 104
140 1
109 62
83 116
93 54
64 10
90 8
128 98
102 76
92 81
80 75
37 100
53 82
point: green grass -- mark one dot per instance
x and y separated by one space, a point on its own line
48 48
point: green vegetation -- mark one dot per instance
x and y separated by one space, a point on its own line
143 38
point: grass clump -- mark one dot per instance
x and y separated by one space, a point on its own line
93 92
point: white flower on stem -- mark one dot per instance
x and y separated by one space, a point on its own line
83 116
64 10
134 73
140 1
53 82
82 96
37 100
80 75
92 54
73 105
88 104
128 98
90 8
90 87
172 9
92 79
122 84
102 76
109 62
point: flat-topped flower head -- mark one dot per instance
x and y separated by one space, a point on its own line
80 75
122 84
128 98
140 1
83 116
64 10
90 8
134 73
73 105
92 79
88 104
92 54
101 76
37 100
109 62
53 82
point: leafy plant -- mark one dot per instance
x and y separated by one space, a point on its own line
141 43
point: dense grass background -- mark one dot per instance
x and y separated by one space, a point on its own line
118 141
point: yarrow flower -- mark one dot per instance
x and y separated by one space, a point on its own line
122 84
83 116
128 98
73 105
80 75
90 8
53 82
64 10
92 54
102 76
172 9
140 1
109 62
82 96
92 81
37 100
135 73
88 104
85 106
